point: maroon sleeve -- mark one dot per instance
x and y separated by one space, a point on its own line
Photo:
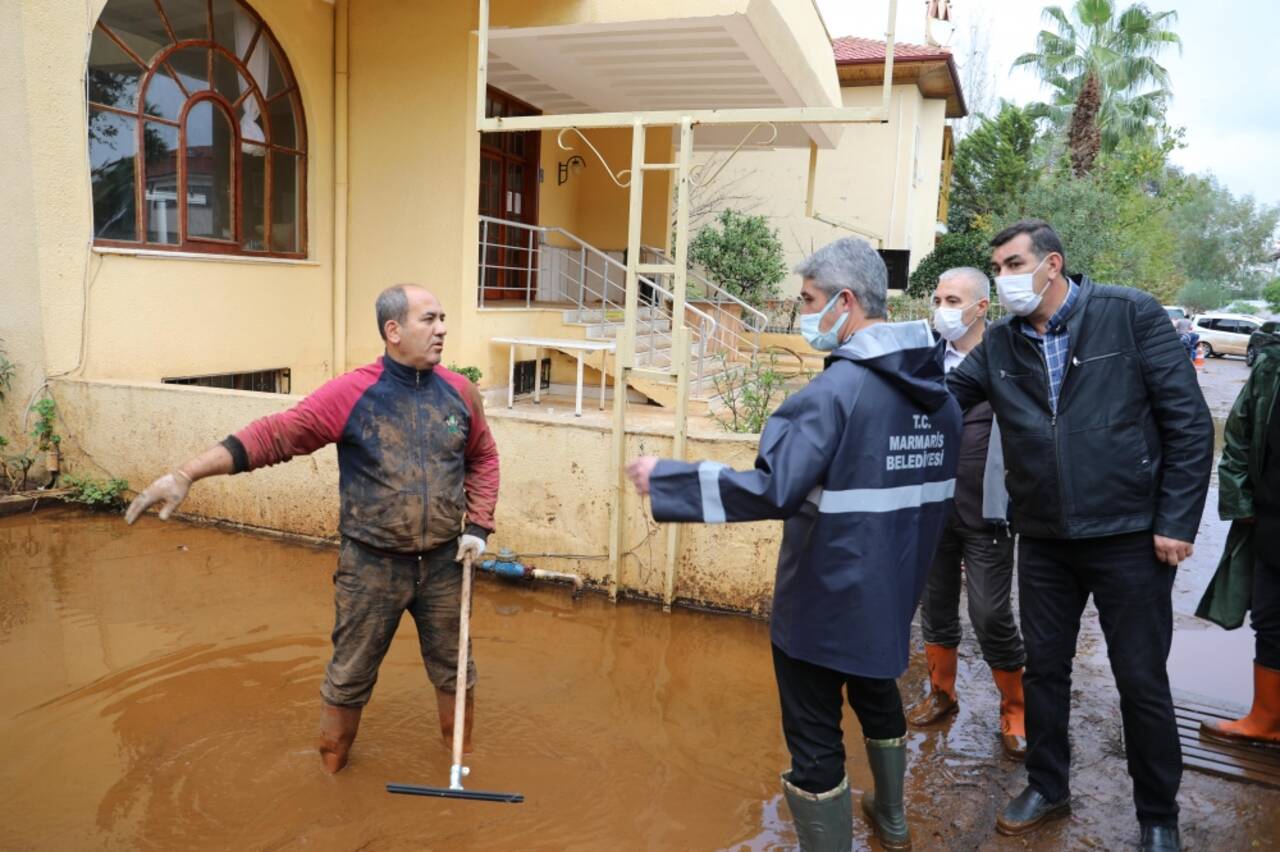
311 424
481 453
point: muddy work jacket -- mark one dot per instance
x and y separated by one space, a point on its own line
861 466
416 459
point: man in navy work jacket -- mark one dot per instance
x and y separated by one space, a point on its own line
1107 446
861 465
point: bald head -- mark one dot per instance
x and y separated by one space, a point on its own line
393 304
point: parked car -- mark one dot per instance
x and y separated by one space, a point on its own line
1176 313
1225 334
1255 340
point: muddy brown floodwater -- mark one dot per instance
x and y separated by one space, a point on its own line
160 691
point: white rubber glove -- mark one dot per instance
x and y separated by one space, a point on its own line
171 488
469 544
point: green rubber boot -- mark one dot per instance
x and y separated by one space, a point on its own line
824 821
885 808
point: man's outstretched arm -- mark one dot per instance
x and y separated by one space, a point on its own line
172 488
311 424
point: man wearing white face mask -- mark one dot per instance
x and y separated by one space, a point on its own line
1108 445
977 536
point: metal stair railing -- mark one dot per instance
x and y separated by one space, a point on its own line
748 317
590 285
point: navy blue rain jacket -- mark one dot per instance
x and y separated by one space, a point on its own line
861 465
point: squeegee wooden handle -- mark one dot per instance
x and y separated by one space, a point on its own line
460 687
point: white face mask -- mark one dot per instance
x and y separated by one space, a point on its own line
1018 292
950 324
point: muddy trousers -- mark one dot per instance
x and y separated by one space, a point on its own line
1132 591
371 593
812 700
987 556
1264 608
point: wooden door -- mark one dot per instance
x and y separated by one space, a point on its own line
509 191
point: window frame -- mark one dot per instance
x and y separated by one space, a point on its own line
202 244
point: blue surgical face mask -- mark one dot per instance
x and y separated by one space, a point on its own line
823 341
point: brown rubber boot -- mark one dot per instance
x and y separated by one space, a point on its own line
338 727
1013 718
1262 725
941 700
444 703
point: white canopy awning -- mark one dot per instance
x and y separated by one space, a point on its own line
710 62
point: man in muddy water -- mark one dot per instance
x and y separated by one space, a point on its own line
864 453
1107 445
977 535
418 483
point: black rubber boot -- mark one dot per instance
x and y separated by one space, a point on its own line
885 808
824 821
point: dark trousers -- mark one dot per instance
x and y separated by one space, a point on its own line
1264 609
1131 589
812 699
987 556
372 591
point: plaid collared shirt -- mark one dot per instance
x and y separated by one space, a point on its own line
1055 343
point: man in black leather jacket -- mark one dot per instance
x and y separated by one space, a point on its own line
1108 446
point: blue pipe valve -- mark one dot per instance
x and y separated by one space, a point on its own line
505 565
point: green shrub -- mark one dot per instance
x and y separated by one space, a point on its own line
749 395
953 250
472 373
43 432
743 255
96 493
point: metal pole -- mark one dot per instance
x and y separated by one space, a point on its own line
582 279
624 360
679 340
484 255
528 280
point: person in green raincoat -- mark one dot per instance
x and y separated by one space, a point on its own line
1248 576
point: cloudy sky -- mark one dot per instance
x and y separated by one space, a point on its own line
1224 82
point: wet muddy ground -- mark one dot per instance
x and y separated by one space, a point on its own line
160 691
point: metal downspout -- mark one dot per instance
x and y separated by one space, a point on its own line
341 46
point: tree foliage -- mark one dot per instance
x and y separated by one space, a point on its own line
958 248
1200 296
1125 213
996 161
1101 65
1272 294
1223 238
743 255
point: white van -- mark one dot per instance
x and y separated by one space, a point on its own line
1225 334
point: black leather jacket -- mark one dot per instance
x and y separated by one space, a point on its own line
1131 445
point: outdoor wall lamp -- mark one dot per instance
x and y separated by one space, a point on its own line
572 166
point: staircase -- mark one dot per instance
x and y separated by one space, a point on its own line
589 286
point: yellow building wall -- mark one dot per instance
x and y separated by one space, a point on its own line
877 179
154 316
21 326
415 174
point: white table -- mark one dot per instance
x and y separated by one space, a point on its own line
579 348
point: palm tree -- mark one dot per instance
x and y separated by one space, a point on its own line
1103 70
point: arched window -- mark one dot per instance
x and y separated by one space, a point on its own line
196 135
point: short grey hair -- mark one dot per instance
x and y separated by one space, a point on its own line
850 264
393 304
977 279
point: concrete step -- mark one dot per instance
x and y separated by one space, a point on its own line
609 331
589 316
